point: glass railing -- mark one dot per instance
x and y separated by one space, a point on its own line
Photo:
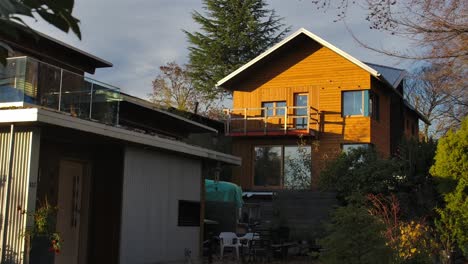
24 80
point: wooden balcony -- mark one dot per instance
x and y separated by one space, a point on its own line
272 121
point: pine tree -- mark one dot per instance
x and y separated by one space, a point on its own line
232 33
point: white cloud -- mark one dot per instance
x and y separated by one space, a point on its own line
140 35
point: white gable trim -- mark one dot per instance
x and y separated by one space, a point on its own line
286 40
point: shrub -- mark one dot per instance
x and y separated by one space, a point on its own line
354 237
359 171
451 172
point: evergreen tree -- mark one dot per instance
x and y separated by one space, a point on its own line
232 33
451 171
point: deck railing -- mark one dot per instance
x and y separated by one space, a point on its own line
27 81
272 120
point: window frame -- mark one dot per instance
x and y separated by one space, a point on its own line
364 104
282 166
364 144
275 110
304 119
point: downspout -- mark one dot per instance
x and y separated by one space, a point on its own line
7 203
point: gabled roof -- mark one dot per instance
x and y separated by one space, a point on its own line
389 75
378 71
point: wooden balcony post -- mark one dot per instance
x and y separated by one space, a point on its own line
228 123
285 119
308 119
265 119
60 91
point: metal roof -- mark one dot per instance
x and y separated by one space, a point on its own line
393 76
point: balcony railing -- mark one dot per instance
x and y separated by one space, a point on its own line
26 81
282 120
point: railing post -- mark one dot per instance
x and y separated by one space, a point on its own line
91 101
318 120
308 119
285 120
60 90
228 123
265 120
245 121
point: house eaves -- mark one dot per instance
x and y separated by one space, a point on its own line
314 37
39 115
419 114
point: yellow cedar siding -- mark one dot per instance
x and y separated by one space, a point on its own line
322 74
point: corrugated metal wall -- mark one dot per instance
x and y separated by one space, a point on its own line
153 184
19 159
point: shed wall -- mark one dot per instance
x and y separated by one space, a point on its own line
153 184
18 172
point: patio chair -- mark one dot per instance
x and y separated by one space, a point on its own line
228 240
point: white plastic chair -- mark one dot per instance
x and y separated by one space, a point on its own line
229 239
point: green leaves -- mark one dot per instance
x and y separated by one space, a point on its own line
354 236
360 171
57 12
451 171
451 160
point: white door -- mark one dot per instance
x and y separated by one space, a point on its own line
72 178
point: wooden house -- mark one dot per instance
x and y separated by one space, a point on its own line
302 102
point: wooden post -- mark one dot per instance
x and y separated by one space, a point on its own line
285 120
228 122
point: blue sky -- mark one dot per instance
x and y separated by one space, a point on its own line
138 36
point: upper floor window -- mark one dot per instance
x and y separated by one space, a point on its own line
355 103
273 108
300 111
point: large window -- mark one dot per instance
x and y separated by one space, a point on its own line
274 108
268 165
297 167
283 166
356 103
